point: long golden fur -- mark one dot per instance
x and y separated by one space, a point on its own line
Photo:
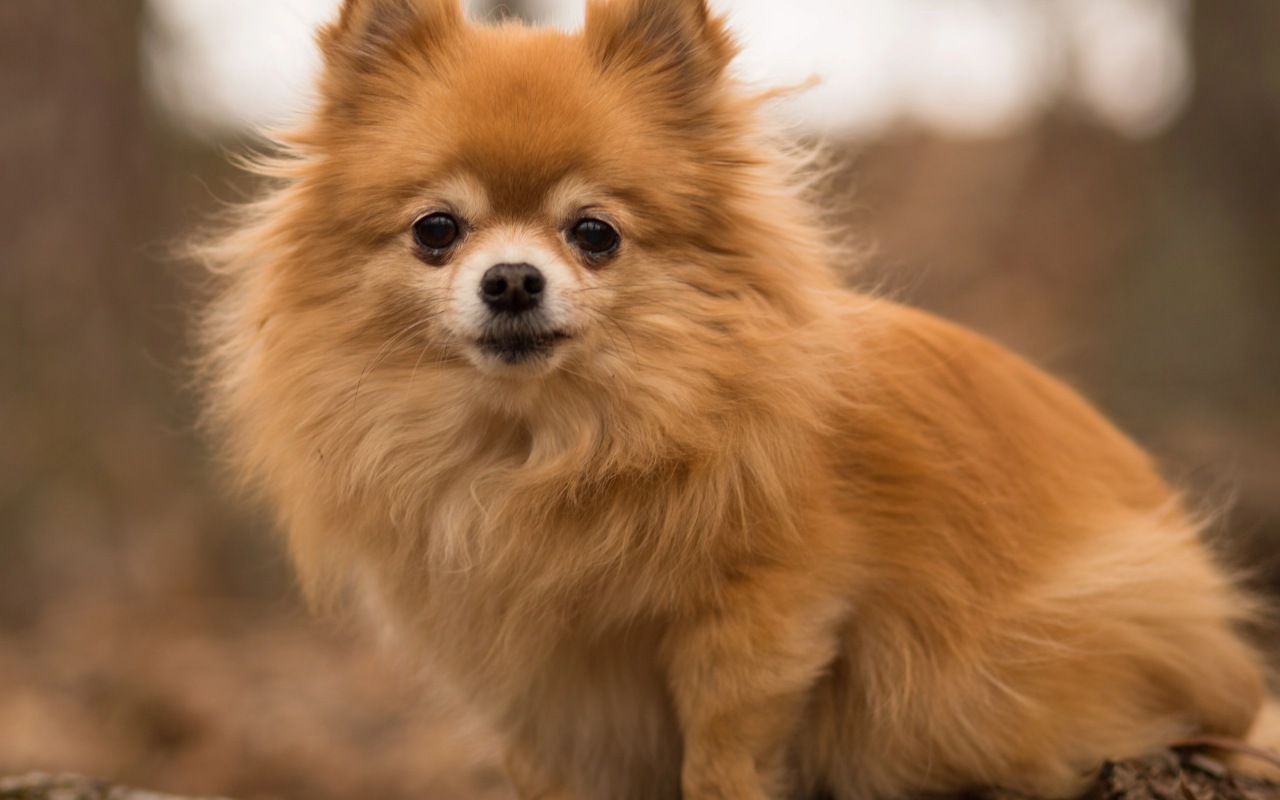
736 532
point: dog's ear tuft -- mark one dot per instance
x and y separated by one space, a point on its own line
368 31
680 41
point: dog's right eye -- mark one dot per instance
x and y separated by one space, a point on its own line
594 237
436 232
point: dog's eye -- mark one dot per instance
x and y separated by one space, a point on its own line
594 237
436 232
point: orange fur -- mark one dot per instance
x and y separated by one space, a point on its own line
742 533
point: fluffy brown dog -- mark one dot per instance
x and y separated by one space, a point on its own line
538 347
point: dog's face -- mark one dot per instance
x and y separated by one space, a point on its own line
520 200
505 225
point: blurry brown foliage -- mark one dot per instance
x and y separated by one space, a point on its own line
149 632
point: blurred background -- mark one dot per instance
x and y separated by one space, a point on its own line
1096 183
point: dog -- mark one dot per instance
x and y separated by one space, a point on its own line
538 350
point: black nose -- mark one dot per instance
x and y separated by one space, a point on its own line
512 288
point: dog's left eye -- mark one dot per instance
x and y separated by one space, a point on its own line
436 232
594 237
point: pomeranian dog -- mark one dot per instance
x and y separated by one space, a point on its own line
538 348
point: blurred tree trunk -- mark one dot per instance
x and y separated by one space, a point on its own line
1218 216
87 305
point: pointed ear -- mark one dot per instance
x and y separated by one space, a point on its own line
679 41
368 31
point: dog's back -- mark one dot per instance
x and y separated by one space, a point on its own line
1035 599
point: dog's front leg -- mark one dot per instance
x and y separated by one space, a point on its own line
740 675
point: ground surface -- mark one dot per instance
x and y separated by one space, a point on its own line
247 701
1165 776
1169 776
260 702
67 787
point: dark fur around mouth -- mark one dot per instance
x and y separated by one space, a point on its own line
518 347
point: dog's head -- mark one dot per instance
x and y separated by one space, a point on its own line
492 215
524 198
